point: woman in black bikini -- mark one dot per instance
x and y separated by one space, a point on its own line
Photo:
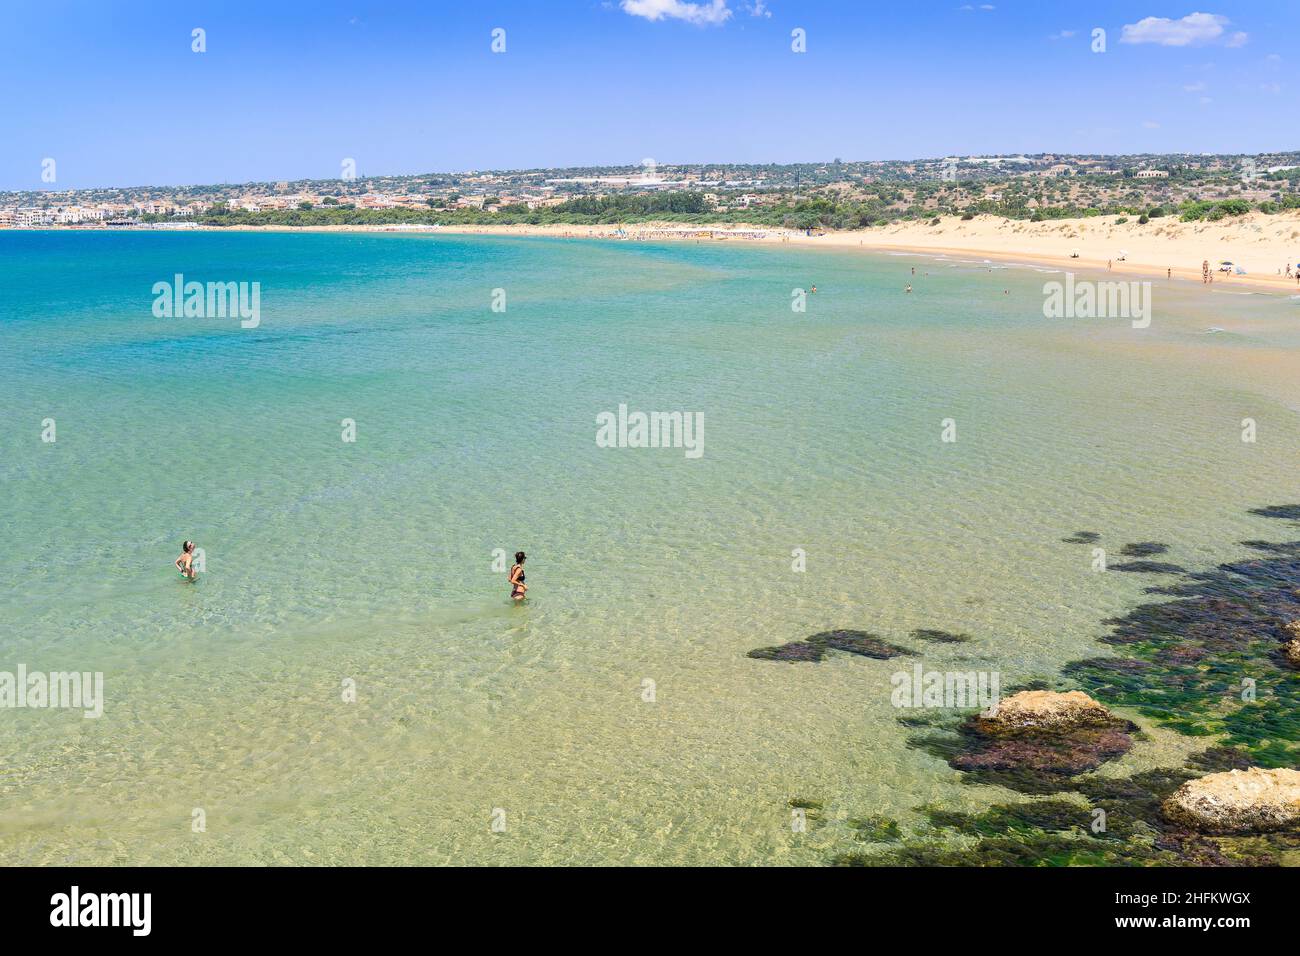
517 585
185 563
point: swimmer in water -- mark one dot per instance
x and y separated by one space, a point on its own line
517 586
909 287
185 563
814 288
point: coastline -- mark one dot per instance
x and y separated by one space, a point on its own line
1169 250
1162 248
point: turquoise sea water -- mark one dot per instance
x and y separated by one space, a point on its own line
372 561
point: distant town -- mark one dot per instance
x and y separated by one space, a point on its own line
831 195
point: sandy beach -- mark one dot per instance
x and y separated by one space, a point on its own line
1260 244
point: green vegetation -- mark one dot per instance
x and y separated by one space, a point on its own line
1213 211
805 196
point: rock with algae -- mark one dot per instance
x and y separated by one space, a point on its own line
1292 648
1239 801
1032 739
1044 710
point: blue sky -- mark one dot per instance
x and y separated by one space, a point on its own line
285 90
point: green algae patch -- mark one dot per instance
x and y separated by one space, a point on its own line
875 829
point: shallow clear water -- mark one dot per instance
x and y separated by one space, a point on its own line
372 561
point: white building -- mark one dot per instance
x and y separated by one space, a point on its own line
31 216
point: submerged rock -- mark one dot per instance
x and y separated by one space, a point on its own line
1148 567
1239 801
814 648
811 807
1083 537
939 637
1035 753
794 651
1143 549
1287 512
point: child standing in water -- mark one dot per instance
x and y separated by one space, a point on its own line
185 563
517 585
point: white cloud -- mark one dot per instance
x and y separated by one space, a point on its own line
713 13
1150 124
1192 30
758 9
1063 35
1197 87
1274 88
986 7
